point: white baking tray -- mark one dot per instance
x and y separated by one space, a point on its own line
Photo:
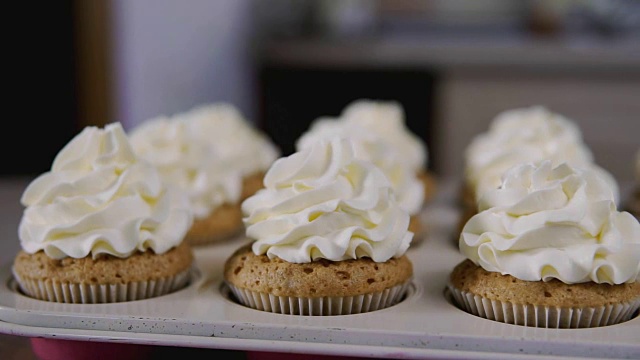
424 325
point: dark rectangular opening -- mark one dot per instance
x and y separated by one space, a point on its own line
290 98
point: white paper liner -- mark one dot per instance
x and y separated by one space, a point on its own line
544 316
56 291
320 306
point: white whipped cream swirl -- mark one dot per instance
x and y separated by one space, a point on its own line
518 136
370 146
387 119
323 202
206 152
189 164
99 198
243 147
561 222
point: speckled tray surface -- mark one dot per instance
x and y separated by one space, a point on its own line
424 325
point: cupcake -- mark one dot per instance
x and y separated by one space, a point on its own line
549 249
370 146
215 156
517 136
328 237
387 119
101 227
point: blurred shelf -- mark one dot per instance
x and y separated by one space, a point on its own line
447 52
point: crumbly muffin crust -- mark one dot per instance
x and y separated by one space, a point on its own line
415 226
468 209
106 269
466 214
223 222
429 182
633 205
472 278
467 197
319 278
251 184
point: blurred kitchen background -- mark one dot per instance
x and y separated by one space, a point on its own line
452 64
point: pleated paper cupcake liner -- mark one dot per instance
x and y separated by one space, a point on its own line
82 293
320 306
544 316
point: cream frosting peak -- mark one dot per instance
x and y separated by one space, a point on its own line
323 202
523 135
206 152
99 198
545 222
387 119
370 146
231 137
